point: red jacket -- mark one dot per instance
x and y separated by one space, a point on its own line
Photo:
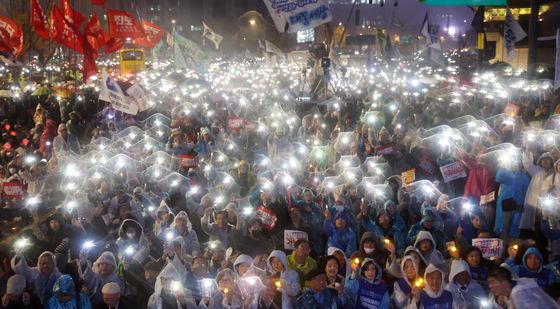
481 178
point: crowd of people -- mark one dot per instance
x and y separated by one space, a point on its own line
231 191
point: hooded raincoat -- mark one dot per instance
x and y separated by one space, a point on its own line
430 299
364 293
42 285
468 296
291 286
65 285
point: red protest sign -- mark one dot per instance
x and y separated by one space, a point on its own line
13 191
123 24
385 149
267 217
453 171
188 161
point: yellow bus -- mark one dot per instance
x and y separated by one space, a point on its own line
131 61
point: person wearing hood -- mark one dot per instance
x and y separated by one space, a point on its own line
467 293
96 275
169 291
427 225
383 228
66 297
174 253
391 209
133 247
228 295
164 218
365 288
538 173
514 183
65 143
55 233
300 261
330 265
426 247
182 227
433 295
402 288
288 279
532 267
318 295
42 277
339 234
17 296
344 267
370 247
312 219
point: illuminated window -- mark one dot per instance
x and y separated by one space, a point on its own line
306 36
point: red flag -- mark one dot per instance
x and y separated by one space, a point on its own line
101 3
64 34
37 19
154 34
113 45
73 17
122 24
11 36
95 35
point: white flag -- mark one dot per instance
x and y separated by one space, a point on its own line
111 92
557 72
139 95
296 15
212 35
513 33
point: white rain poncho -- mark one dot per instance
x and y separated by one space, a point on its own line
41 284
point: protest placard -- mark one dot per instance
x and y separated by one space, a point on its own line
291 236
453 171
490 247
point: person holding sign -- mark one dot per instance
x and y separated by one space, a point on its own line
531 266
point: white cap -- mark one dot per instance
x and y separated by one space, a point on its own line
111 288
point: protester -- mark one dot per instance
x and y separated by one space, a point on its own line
402 185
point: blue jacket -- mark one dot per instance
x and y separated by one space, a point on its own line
366 294
513 184
328 298
344 239
437 235
380 233
543 276
65 285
